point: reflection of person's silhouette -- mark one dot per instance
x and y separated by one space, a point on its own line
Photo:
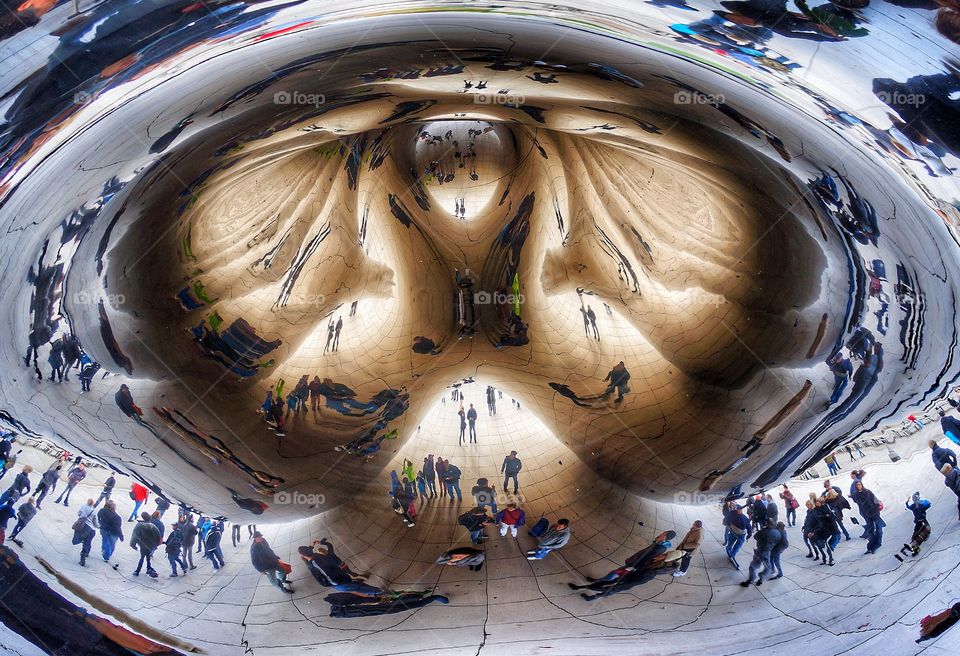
618 377
336 334
592 316
330 329
353 308
425 345
472 422
586 322
124 400
463 424
564 390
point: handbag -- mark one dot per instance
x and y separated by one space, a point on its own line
79 524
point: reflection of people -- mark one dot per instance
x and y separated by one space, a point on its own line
472 423
842 371
463 557
618 377
336 334
932 626
463 424
592 317
265 561
124 400
510 468
556 538
950 426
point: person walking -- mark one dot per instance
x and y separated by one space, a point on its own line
452 476
108 486
174 549
766 538
145 538
555 538
870 508
510 519
740 530
190 532
472 423
510 468
84 529
791 504
76 474
47 485
430 475
690 543
778 550
951 478
111 529
618 378
266 562
20 486
842 371
211 544
26 512
921 527
139 495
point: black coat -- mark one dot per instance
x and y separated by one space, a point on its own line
262 556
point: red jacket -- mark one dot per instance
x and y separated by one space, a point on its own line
139 492
515 517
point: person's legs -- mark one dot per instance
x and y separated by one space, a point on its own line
843 528
503 529
143 557
475 535
136 508
218 552
17 529
42 491
212 556
173 559
755 565
516 484
456 486
103 495
775 561
109 544
87 544
473 433
685 561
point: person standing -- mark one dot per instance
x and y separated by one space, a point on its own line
407 470
336 334
421 485
870 508
107 490
235 535
484 495
951 478
315 387
211 544
791 504
849 450
772 511
592 317
618 378
452 476
921 527
690 543
510 519
111 529
139 495
441 468
145 538
47 484
474 520
942 456
463 424
190 532
174 547
265 561
950 427
124 401
510 468
472 423
84 529
767 538
430 475
831 462
26 512
842 371
555 538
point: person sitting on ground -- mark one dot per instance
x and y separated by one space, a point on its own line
555 538
690 543
356 604
331 576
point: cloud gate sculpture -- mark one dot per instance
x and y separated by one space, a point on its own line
263 258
